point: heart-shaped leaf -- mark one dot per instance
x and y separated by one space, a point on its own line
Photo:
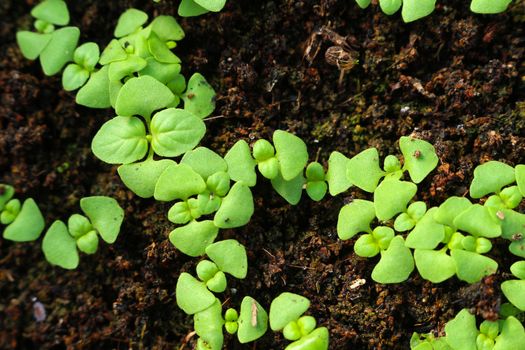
489 7
241 165
193 238
287 307
192 295
230 256
471 267
390 7
189 8
130 21
236 208
142 177
95 94
391 197
105 215
416 9
28 225
199 98
291 190
142 96
176 131
354 218
396 263
208 325
478 221
253 321
113 53
121 140
178 182
204 161
512 335
167 28
491 177
363 170
513 291
450 209
420 157
59 247
32 44
427 234
462 331
59 50
52 11
291 153
74 76
434 266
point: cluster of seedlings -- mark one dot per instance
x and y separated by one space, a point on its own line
155 143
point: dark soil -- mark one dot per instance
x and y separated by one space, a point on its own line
454 78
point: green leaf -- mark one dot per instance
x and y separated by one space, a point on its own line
366 246
316 190
189 8
518 269
59 247
199 98
416 9
513 291
160 51
105 215
392 197
291 190
420 156
129 22
316 340
363 170
59 50
121 140
396 263
95 94
193 238
478 221
74 77
176 131
489 7
462 331
142 96
87 55
32 44
253 321
363 3
427 234
52 11
336 174
241 165
287 307
219 183
178 182
113 53
512 223
167 28
491 177
512 335
126 68
472 267
354 218
78 225
390 7
192 295
230 256
208 325
518 248
450 209
88 243
28 225
211 5
236 208
291 152
204 161
142 177
6 193
434 266
163 72
520 178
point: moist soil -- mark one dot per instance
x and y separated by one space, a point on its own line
453 78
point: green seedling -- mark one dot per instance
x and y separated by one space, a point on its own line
491 177
428 342
53 46
316 185
462 333
396 263
24 221
513 289
231 316
190 8
370 244
104 218
240 164
76 74
253 321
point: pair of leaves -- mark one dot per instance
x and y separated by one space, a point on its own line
123 140
76 74
106 216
